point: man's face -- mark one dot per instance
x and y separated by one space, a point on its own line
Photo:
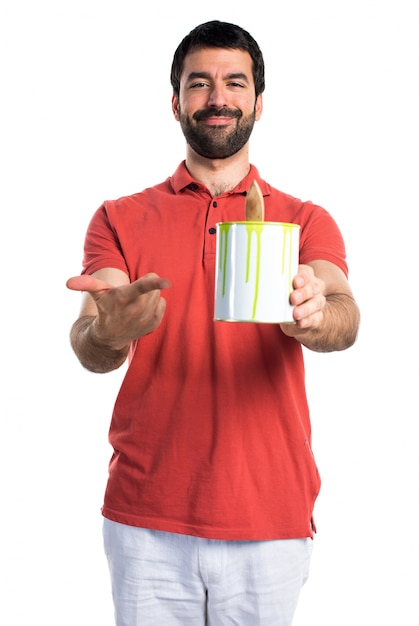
217 106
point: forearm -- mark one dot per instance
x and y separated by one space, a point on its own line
339 327
93 354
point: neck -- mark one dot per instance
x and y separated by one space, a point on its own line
218 175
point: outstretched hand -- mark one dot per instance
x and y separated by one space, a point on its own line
125 312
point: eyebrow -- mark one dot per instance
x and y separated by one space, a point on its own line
207 75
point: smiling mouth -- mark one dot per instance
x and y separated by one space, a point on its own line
217 121
218 118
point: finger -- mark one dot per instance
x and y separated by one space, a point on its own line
87 283
309 308
302 277
311 322
299 281
150 282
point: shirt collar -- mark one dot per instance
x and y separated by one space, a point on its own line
181 179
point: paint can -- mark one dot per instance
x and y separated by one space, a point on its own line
255 266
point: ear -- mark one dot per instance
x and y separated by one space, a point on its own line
175 107
258 107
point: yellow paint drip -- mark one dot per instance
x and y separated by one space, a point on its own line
287 232
224 234
253 228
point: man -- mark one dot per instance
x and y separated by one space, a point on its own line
212 483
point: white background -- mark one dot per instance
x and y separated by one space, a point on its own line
85 116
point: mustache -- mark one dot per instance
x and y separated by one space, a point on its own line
204 114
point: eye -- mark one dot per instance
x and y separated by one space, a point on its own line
198 85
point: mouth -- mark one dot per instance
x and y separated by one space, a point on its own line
218 121
222 117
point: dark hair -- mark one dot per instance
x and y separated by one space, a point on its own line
218 34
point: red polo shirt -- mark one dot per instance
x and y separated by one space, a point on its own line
210 430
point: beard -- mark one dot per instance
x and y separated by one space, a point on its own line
217 142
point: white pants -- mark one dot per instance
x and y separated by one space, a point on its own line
166 579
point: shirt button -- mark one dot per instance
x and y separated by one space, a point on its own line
212 231
214 204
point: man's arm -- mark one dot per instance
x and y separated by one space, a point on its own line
114 313
326 314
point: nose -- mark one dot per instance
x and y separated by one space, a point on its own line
217 97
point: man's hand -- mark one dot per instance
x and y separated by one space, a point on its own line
325 313
126 312
114 315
